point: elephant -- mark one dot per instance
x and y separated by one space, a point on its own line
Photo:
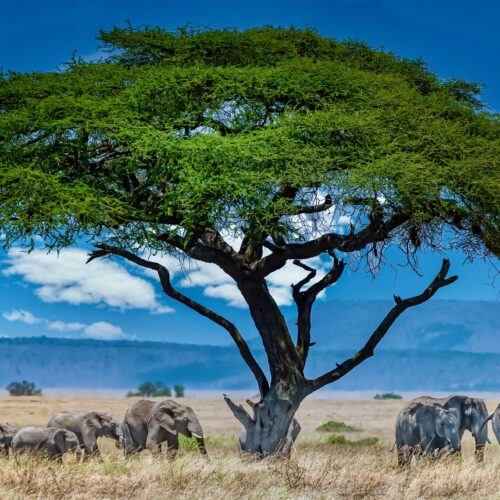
426 428
472 413
495 422
88 427
147 425
51 441
7 432
291 436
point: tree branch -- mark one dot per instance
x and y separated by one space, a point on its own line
239 412
314 209
304 301
166 284
368 349
374 232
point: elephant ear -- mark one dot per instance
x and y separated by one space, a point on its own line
440 423
166 419
60 440
94 421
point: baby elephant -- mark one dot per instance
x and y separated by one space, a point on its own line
429 429
50 441
88 427
7 432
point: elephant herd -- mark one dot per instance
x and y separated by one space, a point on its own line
425 426
146 425
435 426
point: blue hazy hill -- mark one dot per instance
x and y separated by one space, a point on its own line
125 364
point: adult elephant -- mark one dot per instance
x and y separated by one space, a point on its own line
7 432
426 428
495 422
472 412
148 424
88 426
50 441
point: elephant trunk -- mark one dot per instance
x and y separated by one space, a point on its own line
201 445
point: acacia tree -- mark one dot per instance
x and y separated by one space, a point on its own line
186 142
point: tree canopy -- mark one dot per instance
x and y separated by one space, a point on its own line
252 133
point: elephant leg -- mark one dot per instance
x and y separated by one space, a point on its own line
156 434
403 454
172 443
479 453
426 446
54 453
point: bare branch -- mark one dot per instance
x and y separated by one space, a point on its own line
368 349
304 301
314 209
166 284
376 231
239 412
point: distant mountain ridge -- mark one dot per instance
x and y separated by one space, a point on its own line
124 364
437 325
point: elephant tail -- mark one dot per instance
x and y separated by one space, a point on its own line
486 421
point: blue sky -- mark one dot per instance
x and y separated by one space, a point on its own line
43 295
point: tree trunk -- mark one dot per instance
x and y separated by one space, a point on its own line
270 430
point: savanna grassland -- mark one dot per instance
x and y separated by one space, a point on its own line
346 463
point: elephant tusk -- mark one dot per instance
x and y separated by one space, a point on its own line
197 435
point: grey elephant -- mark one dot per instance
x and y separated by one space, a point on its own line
7 432
88 426
148 424
429 429
291 436
50 441
472 413
495 422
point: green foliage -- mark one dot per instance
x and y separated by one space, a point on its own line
388 395
151 390
182 130
23 388
343 441
179 391
334 426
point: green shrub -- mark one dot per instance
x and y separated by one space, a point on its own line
23 388
151 390
388 395
179 391
334 426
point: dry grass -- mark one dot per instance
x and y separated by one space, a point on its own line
317 469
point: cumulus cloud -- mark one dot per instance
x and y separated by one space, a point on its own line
99 330
21 315
61 326
66 278
102 330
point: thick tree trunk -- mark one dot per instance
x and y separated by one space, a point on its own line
270 430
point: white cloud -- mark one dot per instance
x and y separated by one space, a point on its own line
98 330
227 291
61 326
102 330
23 316
66 278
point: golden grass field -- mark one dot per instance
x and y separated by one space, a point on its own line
317 468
